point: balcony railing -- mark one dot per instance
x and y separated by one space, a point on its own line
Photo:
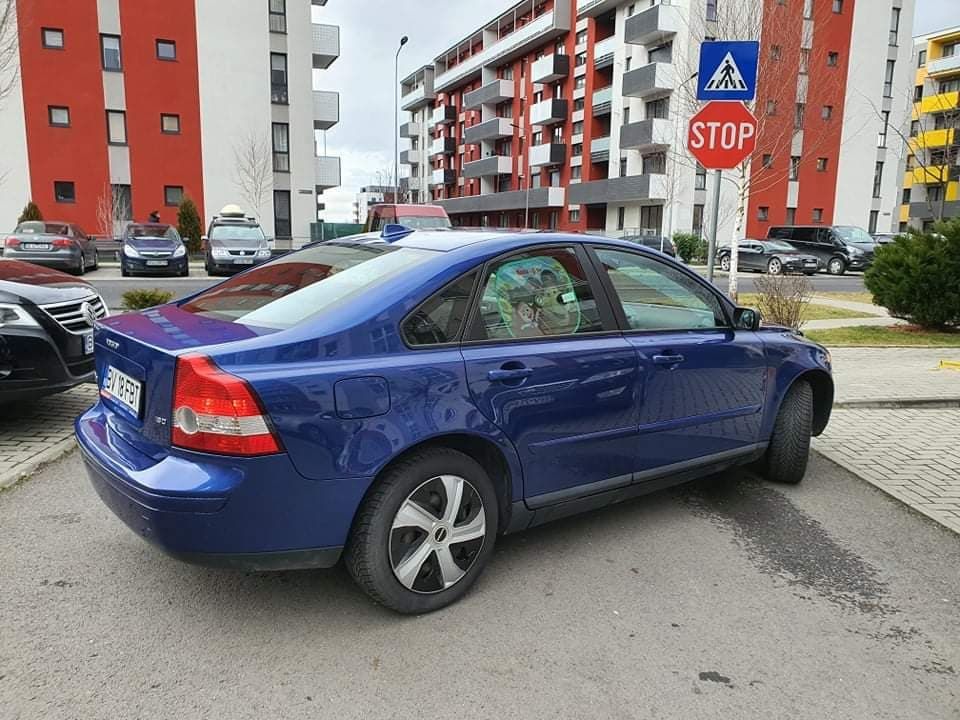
944 102
326 109
443 114
603 52
493 165
489 130
326 45
651 79
327 172
411 183
602 100
547 154
409 130
600 148
943 65
411 157
418 97
443 146
550 68
647 134
654 25
443 177
492 93
548 112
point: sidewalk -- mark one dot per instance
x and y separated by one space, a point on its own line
885 430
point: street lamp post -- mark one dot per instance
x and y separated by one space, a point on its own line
396 121
526 175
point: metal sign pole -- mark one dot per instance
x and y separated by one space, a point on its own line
714 225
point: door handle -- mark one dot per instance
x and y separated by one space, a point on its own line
508 374
668 359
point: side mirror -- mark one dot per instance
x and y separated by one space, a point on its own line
746 319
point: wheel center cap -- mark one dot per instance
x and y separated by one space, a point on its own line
440 534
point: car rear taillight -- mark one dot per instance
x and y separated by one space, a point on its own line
62 242
12 242
216 412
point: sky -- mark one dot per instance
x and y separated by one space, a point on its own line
370 32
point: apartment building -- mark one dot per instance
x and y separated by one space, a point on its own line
572 114
931 183
124 108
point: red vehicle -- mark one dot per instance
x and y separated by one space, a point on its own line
415 217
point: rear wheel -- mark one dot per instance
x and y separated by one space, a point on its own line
725 263
789 450
425 532
96 260
836 266
81 266
775 267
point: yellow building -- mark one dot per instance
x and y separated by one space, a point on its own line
931 185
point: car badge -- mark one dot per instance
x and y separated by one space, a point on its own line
88 313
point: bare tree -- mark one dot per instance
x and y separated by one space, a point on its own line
113 210
253 171
9 48
385 179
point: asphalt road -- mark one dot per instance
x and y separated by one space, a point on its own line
112 286
728 599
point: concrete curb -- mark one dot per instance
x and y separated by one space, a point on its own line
896 404
51 454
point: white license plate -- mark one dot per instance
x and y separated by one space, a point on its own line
243 261
35 246
156 263
123 389
88 344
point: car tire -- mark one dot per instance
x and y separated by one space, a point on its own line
423 479
725 263
789 451
96 260
774 267
81 266
123 271
836 266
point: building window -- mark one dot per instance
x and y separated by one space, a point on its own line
621 217
822 164
631 10
170 124
804 61
658 109
64 191
767 160
914 128
166 50
884 127
574 216
580 82
775 52
917 93
623 167
763 213
579 104
798 114
52 38
712 10
661 53
872 225
794 167
698 219
581 37
877 179
651 217
576 150
826 112
838 6
935 193
771 107
172 195
921 59
577 128
282 227
700 181
895 26
581 59
281 147
833 59
949 50
278 79
906 197
948 86
808 9
59 116
791 216
278 16
576 172
817 215
110 53
116 127
654 164
888 79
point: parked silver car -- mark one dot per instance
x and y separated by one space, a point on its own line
59 245
234 243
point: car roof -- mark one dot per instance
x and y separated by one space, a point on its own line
411 210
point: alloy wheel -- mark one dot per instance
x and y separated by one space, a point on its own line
836 266
775 267
437 534
725 263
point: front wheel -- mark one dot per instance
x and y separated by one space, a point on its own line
425 532
81 266
789 450
775 267
96 260
836 266
725 263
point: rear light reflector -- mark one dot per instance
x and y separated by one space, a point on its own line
12 242
62 242
216 412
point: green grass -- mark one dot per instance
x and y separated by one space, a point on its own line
895 336
812 312
859 297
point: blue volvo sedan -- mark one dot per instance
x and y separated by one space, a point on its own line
400 403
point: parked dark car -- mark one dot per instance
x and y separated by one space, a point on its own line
886 238
654 242
402 404
59 245
234 243
46 330
838 247
153 249
770 256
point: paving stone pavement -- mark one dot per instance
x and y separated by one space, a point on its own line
911 454
866 374
35 433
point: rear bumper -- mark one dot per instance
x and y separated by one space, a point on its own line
252 514
58 259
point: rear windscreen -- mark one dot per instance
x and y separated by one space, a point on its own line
300 286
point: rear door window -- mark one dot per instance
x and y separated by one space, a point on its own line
303 285
440 319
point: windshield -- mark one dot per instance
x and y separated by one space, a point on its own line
236 232
40 228
300 286
424 223
148 231
780 246
852 234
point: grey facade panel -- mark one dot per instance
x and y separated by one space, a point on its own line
925 211
622 189
650 25
642 81
482 168
638 134
409 130
497 202
489 94
489 130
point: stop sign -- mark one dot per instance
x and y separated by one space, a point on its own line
722 135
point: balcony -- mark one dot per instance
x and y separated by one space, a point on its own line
443 115
492 93
944 102
549 69
602 100
417 98
944 66
489 130
327 172
443 177
410 130
603 52
600 149
411 157
632 188
326 45
933 139
654 25
547 197
933 174
651 134
443 146
326 109
648 81
548 112
488 166
547 154
411 184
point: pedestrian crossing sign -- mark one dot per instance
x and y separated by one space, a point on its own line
728 70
